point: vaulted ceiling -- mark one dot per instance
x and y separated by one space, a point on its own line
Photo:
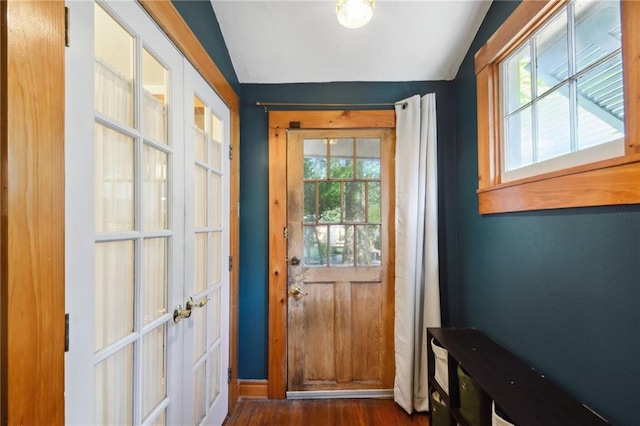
298 41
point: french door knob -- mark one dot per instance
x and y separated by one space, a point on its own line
295 260
295 291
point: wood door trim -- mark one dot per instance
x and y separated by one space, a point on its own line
279 122
32 199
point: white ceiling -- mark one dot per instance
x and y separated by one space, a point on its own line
301 41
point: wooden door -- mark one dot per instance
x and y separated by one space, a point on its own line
340 257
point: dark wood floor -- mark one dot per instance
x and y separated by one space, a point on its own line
322 412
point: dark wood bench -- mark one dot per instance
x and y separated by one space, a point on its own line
522 393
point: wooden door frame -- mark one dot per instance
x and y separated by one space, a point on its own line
279 122
32 173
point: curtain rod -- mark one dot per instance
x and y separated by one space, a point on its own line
265 105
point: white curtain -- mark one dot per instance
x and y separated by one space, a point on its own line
417 295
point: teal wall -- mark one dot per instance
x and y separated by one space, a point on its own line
254 174
559 288
200 17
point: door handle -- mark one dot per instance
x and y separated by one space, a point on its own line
295 261
179 313
199 304
295 291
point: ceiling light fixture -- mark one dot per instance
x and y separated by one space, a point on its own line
354 13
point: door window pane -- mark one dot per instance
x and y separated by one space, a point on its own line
114 289
315 159
368 245
374 203
114 50
155 189
315 245
154 278
114 180
354 201
341 151
329 202
154 98
153 369
341 243
310 201
114 388
368 158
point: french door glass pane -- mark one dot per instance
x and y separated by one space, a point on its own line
114 180
216 259
154 278
154 98
199 317
114 389
155 189
216 200
200 134
114 53
214 382
216 326
153 369
217 134
200 260
199 379
200 194
113 299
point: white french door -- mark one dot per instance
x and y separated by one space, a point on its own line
147 233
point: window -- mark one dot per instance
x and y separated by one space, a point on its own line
554 86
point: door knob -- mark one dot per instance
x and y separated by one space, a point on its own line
295 260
